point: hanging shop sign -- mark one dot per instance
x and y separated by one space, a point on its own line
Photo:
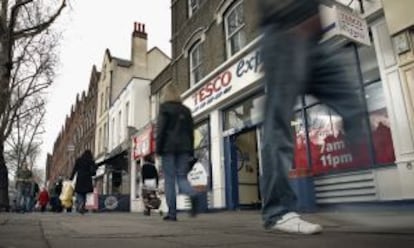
228 82
343 24
143 144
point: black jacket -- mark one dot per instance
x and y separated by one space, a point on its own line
286 13
174 130
149 171
85 169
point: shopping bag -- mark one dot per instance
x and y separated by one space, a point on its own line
74 180
198 177
150 184
92 200
67 191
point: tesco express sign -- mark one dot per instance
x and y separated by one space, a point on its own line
226 83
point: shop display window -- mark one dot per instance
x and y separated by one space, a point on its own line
299 133
376 106
202 146
380 125
327 142
249 112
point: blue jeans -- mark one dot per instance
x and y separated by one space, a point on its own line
175 167
80 201
294 66
25 203
23 198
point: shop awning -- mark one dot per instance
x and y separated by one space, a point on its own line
118 161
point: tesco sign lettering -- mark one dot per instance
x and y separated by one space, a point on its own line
212 89
233 79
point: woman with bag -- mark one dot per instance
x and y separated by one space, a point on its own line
175 144
84 169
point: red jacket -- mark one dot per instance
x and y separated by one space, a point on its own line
43 198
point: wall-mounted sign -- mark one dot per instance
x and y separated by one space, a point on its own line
143 144
228 82
341 22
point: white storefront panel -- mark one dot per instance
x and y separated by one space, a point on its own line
228 82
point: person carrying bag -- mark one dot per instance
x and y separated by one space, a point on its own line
175 144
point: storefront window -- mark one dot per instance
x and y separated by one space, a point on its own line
328 147
249 112
202 146
375 99
299 133
380 125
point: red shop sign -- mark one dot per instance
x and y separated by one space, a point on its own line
143 143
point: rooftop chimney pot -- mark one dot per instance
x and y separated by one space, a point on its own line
139 30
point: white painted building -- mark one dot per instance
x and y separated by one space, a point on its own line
124 101
130 109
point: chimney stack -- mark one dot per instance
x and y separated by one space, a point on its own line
139 30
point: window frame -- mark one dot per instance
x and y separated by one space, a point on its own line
206 146
191 9
126 117
237 31
119 137
102 101
192 68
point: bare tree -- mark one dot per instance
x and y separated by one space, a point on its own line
23 143
27 62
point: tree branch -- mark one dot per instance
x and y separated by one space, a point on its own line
32 31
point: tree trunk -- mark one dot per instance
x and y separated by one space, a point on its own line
4 181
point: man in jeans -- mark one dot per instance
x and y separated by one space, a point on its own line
295 64
24 187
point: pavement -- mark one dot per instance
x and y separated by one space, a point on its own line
223 229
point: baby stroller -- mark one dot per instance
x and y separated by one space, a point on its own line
150 196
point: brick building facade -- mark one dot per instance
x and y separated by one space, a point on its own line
205 25
78 133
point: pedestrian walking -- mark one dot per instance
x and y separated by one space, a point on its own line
295 64
149 176
24 187
43 199
84 169
54 199
175 144
34 193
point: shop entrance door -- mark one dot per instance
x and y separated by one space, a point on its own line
247 163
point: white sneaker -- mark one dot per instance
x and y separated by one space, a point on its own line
292 223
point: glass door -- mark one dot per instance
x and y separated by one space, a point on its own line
247 155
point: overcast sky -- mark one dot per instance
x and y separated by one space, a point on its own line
91 26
